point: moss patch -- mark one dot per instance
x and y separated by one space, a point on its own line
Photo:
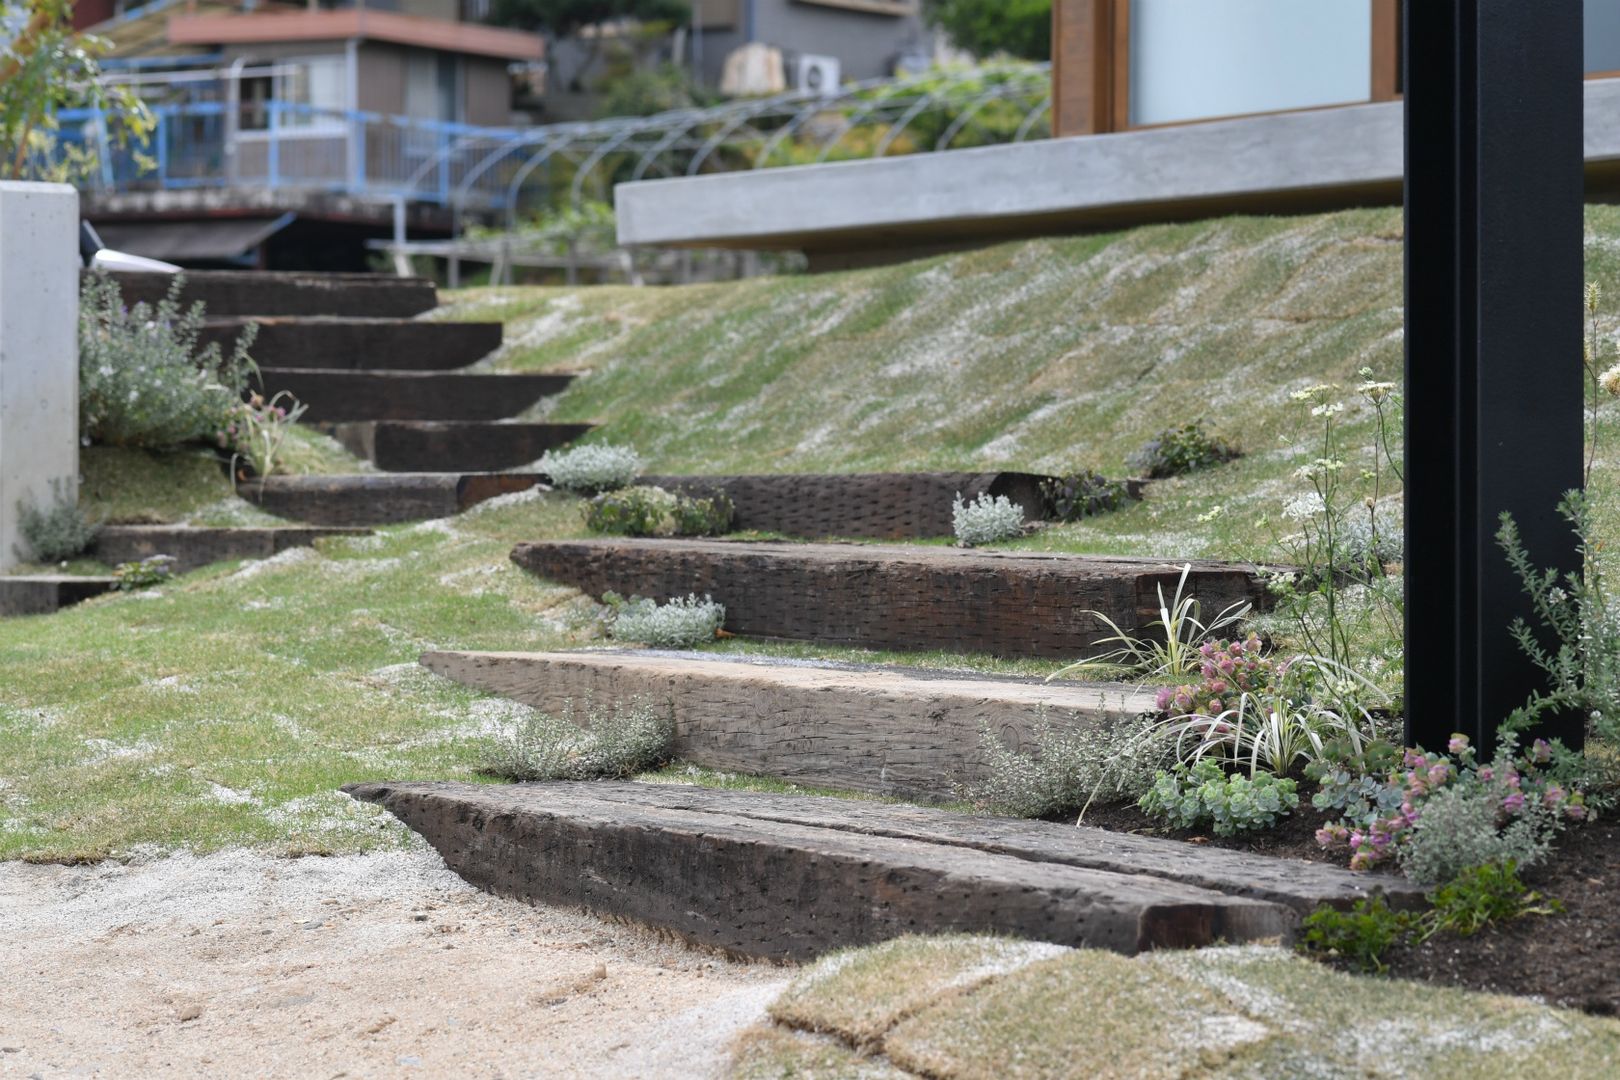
1234 1012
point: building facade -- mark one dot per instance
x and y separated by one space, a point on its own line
866 39
282 128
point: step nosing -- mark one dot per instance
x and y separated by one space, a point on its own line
789 889
698 822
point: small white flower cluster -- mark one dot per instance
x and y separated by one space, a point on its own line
592 468
986 520
679 624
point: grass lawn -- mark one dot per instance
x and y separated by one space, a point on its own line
955 1008
225 708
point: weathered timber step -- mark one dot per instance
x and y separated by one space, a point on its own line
380 498
410 395
415 445
193 546
773 888
893 731
884 506
359 344
1299 885
1004 603
258 292
41 594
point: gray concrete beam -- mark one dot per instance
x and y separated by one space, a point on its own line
1284 162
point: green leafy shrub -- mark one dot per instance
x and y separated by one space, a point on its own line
1360 936
143 378
1463 826
711 515
1083 494
652 511
1066 769
612 744
1575 612
679 624
147 572
632 511
47 65
591 469
1486 895
1179 450
1479 896
56 534
986 520
1203 794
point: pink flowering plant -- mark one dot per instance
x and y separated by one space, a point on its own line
1523 793
254 430
1263 713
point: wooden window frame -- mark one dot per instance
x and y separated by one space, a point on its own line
1091 86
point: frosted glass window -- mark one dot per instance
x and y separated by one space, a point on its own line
321 82
1602 35
1191 59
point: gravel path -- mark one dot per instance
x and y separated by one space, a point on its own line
383 965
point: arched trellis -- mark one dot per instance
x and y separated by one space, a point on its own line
687 141
963 118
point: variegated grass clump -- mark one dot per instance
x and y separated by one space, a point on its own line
679 624
1170 650
613 743
986 520
590 469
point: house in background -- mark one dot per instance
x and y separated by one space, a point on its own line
286 130
822 42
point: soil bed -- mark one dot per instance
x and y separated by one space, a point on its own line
1294 837
1572 959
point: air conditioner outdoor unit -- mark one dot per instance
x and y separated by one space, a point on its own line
816 74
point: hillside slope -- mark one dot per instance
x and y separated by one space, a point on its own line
1039 355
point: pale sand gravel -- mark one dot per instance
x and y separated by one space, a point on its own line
380 965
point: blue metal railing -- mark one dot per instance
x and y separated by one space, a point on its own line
277 144
216 140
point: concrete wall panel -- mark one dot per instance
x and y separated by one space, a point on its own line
39 352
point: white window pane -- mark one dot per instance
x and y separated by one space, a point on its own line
1602 35
1191 59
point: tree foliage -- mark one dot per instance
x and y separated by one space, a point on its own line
561 18
1021 28
45 67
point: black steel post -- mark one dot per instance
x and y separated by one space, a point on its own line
1493 342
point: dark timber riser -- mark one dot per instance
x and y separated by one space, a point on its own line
360 344
41 594
1006 604
788 891
882 506
409 395
192 547
415 446
258 292
1300 886
380 498
883 730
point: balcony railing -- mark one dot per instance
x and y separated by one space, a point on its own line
276 145
279 145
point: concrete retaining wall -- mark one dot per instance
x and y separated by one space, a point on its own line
1276 163
39 352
